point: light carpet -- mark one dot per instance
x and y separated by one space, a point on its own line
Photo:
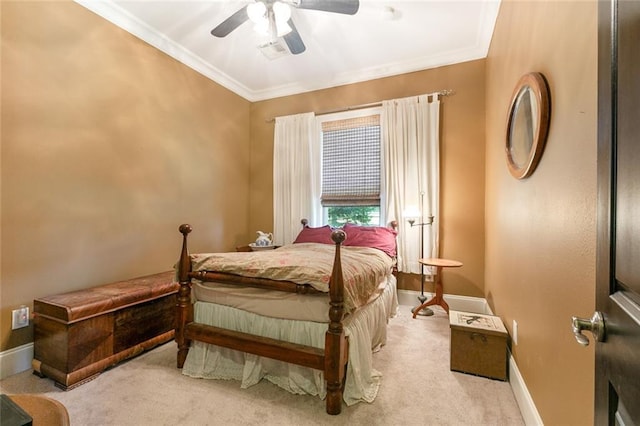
417 387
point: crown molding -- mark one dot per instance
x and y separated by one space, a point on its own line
123 19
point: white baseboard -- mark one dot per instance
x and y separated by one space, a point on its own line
523 397
479 305
16 360
455 302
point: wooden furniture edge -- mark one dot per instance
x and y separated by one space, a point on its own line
106 298
222 277
108 311
257 345
68 381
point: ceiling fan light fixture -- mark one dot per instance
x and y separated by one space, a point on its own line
257 12
272 18
282 12
283 29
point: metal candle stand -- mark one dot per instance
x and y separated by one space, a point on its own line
422 298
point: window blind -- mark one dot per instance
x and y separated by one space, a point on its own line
351 162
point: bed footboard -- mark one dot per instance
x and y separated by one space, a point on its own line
332 360
184 306
336 344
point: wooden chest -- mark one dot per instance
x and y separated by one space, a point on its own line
79 334
478 345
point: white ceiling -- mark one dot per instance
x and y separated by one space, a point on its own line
341 49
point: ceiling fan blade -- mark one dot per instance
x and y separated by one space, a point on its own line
293 40
231 23
347 7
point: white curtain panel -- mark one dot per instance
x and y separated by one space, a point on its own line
296 171
410 138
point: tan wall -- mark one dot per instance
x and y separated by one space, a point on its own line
462 150
106 142
540 232
106 145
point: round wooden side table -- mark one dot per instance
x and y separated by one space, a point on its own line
437 299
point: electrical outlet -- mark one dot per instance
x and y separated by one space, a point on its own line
514 337
20 317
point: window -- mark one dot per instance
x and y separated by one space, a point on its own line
351 168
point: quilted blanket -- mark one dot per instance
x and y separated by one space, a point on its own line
363 268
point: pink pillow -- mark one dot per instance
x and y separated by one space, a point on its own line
377 237
320 235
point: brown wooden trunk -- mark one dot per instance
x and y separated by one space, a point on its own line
81 333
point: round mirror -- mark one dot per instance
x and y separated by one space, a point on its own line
528 124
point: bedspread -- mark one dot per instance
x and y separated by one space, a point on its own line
366 330
363 268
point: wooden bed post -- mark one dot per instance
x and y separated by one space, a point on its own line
184 306
336 344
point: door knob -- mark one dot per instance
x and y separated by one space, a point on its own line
595 325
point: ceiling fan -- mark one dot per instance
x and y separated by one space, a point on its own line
273 18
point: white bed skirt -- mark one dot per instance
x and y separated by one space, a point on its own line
366 330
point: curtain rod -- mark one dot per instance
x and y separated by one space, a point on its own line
445 92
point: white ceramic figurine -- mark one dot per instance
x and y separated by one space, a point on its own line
264 239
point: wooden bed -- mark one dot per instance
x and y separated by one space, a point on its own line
332 360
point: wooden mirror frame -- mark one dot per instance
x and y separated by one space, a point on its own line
525 140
